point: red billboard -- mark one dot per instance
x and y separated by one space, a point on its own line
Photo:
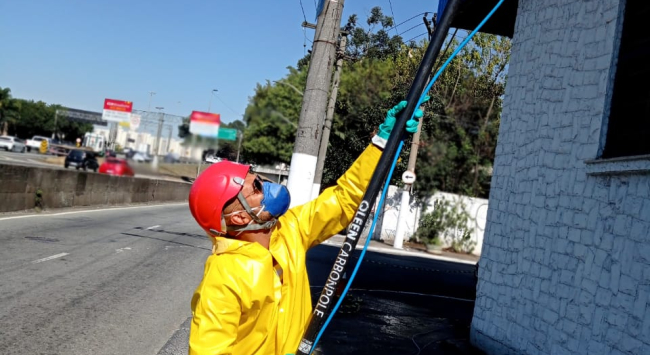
118 105
206 117
205 124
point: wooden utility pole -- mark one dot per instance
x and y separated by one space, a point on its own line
329 118
314 102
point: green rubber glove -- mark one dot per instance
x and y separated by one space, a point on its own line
391 117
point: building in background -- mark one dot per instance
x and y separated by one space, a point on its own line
145 142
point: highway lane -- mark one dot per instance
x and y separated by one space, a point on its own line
39 161
112 281
24 159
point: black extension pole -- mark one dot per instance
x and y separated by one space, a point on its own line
325 301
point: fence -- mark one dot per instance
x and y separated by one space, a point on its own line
156 134
476 208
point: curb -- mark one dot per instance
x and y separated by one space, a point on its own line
382 248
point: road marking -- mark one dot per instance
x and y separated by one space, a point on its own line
49 258
91 211
122 249
152 227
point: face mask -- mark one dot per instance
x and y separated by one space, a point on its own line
276 198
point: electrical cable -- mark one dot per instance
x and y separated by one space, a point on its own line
393 14
304 16
414 27
387 181
405 21
420 35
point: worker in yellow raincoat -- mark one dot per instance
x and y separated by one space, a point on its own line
255 297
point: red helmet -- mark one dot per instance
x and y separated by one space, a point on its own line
215 186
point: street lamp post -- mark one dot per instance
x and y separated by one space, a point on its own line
210 104
151 93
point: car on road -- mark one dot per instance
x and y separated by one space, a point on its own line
141 157
128 152
116 166
35 142
172 158
81 159
12 144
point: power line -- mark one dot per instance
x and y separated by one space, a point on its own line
304 31
303 11
420 35
393 14
233 111
405 21
416 26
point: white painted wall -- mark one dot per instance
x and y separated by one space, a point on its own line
475 207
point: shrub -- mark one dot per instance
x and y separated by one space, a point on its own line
449 221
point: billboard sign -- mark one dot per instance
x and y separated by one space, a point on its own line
117 110
228 134
205 124
135 122
72 114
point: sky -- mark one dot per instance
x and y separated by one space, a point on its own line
79 52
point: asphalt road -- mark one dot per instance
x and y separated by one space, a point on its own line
119 281
38 160
116 281
24 159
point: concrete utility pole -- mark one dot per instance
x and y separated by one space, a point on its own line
400 230
158 134
169 138
314 103
329 118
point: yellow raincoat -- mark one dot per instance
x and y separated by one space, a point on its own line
245 305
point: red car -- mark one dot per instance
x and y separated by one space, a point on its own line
116 166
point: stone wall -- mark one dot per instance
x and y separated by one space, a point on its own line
565 265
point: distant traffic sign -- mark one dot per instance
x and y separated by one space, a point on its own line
228 134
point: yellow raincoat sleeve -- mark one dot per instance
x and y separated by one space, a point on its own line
332 210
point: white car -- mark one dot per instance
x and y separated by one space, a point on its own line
13 144
141 157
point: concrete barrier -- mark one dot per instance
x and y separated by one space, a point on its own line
24 188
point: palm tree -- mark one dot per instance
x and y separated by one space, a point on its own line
9 110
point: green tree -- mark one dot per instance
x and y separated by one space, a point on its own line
458 142
271 119
9 110
38 118
374 41
460 123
